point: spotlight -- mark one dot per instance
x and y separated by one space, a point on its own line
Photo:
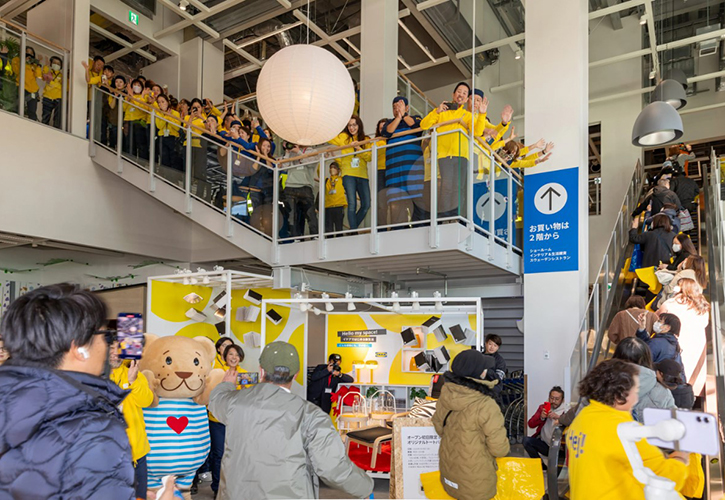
328 305
439 303
518 54
652 75
350 305
643 20
205 281
396 304
218 269
193 281
186 280
183 4
416 304
316 311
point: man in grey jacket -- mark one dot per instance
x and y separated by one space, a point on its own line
278 444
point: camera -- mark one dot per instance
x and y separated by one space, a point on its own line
336 368
288 145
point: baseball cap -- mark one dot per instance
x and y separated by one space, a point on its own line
336 357
478 92
471 363
280 354
671 371
400 98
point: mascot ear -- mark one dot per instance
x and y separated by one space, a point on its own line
212 380
153 385
208 346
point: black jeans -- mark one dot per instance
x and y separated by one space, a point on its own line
333 219
31 105
141 477
168 156
535 446
217 433
452 193
300 204
51 107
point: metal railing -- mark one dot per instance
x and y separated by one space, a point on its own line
588 345
473 189
30 86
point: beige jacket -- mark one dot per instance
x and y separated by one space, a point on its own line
626 323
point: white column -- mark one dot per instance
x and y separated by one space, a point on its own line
379 60
201 67
556 94
67 23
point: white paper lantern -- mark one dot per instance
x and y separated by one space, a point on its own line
305 94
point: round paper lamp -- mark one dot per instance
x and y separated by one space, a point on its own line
658 123
305 94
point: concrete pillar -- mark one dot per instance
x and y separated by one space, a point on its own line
67 23
379 61
165 72
202 67
556 78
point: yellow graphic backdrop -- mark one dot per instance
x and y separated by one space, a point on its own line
388 349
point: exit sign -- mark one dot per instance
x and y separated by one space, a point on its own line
133 17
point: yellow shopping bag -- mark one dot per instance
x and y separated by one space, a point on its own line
517 479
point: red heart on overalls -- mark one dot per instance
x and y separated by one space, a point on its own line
177 424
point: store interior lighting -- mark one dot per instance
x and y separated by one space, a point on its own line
316 311
183 4
438 302
328 305
643 20
396 304
518 54
350 305
416 304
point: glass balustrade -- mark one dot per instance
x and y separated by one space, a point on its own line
372 188
33 86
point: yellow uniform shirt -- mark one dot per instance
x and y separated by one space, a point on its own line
453 145
218 363
353 165
381 154
335 193
167 126
32 73
135 108
598 466
132 409
195 140
96 78
54 88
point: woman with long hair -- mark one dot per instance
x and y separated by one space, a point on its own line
692 308
656 243
355 170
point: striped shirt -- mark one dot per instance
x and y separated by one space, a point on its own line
403 163
178 432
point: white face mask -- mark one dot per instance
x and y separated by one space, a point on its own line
657 327
137 89
55 67
676 248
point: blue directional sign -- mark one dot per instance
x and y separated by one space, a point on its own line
482 208
551 221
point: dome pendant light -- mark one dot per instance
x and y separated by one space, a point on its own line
671 92
677 75
657 124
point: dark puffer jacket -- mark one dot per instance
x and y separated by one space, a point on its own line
57 441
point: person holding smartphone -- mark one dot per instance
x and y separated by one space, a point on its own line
126 375
544 421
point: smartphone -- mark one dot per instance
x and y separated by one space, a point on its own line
701 435
451 105
547 407
130 335
250 378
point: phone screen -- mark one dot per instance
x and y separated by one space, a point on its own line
130 335
250 378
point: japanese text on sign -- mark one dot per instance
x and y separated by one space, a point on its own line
420 455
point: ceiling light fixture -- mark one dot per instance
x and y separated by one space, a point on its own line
643 20
518 54
672 92
316 311
657 124
350 305
183 4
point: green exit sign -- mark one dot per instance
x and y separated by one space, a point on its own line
133 17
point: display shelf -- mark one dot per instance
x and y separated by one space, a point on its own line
403 403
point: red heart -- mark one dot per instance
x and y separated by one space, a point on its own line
177 424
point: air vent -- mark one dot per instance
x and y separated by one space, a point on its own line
708 47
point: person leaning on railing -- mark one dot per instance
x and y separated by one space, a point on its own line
135 127
53 91
167 131
452 148
33 73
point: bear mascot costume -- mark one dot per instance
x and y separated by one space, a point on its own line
180 374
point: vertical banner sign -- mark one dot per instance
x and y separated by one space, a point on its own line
551 221
482 209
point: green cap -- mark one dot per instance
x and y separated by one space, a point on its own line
280 354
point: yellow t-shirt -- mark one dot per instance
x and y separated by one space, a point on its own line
219 363
354 165
335 193
381 154
598 465
96 78
132 408
167 126
135 109
32 73
54 88
454 144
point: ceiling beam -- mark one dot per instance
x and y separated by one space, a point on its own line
258 39
493 45
429 3
246 55
437 38
126 50
14 8
615 18
262 18
595 150
426 65
630 4
220 7
107 34
652 37
324 36
415 39
174 7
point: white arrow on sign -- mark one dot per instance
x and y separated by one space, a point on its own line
483 210
550 198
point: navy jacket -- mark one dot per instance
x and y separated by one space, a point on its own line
58 441
663 346
320 380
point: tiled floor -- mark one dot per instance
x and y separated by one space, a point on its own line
380 491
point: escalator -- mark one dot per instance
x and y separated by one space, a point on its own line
615 283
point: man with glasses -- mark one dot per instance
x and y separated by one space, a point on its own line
63 435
